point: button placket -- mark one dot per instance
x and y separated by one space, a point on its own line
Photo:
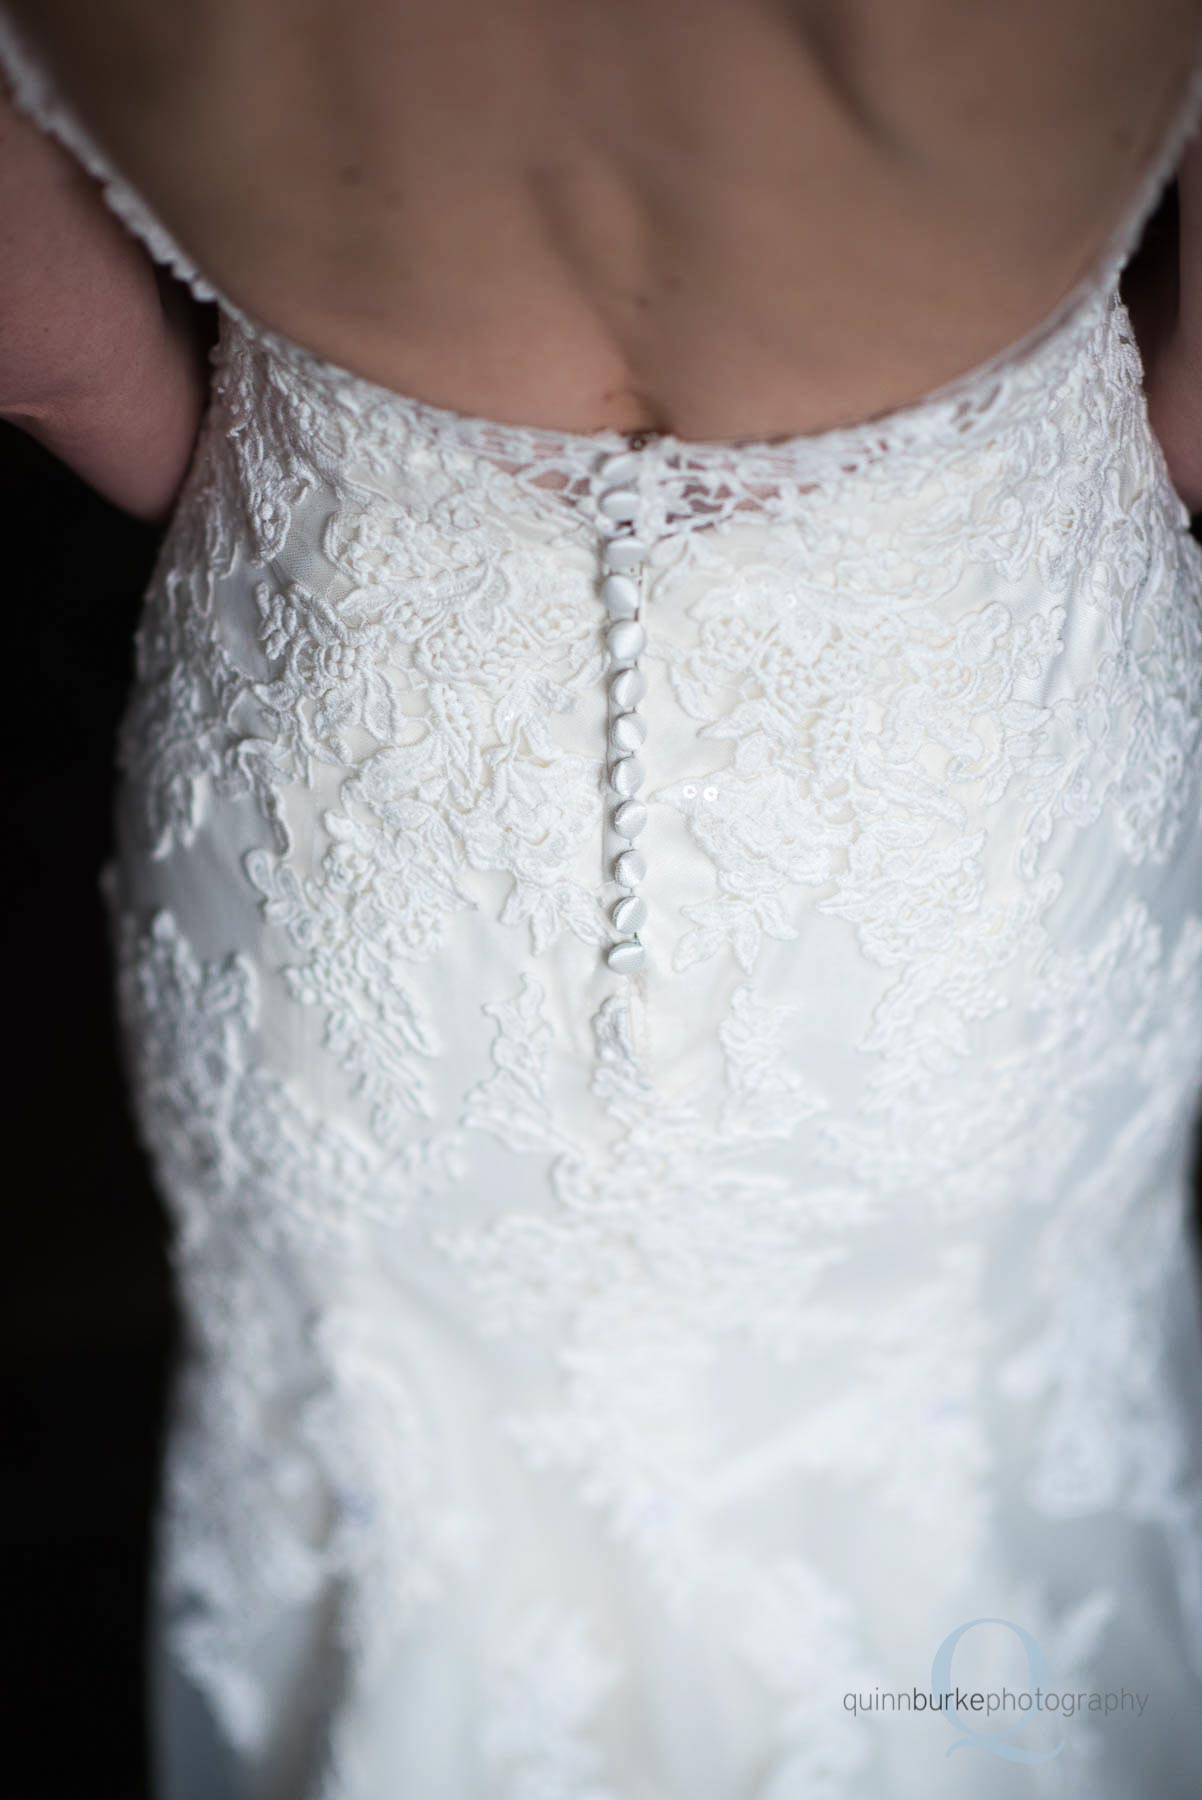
623 557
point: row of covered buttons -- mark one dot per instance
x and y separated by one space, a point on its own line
621 592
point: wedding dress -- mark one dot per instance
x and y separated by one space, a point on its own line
610 1379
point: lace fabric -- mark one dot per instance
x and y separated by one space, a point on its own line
591 1381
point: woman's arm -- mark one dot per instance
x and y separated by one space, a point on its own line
101 358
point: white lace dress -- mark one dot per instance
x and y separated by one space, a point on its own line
608 1386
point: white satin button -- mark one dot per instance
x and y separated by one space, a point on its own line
626 958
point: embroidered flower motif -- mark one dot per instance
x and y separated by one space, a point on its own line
923 774
874 1189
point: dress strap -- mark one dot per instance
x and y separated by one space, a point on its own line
35 94
1160 172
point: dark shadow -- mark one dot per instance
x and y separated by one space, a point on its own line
85 1323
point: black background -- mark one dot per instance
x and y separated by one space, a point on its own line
85 1318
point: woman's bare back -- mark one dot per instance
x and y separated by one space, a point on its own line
722 218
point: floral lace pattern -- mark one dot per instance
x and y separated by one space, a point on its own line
924 1018
589 1383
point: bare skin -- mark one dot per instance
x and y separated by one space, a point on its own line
723 218
100 359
